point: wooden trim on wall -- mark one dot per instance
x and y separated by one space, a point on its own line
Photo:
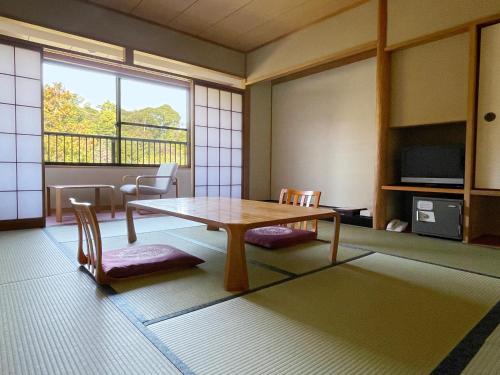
330 65
383 105
246 144
441 34
331 58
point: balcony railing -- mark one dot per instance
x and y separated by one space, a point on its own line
84 149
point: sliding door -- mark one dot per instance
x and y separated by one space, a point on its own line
21 168
218 142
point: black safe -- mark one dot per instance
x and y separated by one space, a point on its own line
437 217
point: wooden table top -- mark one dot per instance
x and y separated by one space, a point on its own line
230 211
81 186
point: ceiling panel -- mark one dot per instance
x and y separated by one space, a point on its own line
121 5
161 11
239 24
290 21
203 14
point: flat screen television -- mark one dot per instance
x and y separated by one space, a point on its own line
442 165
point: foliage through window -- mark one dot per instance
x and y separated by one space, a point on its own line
96 117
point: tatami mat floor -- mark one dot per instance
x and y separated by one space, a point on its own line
374 313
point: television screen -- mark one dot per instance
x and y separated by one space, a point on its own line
443 164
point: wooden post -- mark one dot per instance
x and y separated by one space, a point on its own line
383 102
470 134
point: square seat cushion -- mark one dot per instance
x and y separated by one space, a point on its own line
139 260
277 236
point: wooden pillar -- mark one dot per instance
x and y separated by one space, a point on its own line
246 145
383 103
470 134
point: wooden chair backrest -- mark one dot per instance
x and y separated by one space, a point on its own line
88 226
303 198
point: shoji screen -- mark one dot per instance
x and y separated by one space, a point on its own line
218 138
21 170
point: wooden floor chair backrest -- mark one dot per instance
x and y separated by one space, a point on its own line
303 198
88 226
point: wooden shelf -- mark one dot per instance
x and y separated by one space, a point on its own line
484 192
423 189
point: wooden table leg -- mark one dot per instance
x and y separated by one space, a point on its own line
112 202
59 205
47 199
97 199
236 274
132 237
335 238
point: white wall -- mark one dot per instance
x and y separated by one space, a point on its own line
323 134
409 19
429 82
260 141
106 175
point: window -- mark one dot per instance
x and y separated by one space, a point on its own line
98 117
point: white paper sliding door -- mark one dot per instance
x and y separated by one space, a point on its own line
21 166
218 142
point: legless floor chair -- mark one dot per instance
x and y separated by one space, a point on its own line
278 236
130 262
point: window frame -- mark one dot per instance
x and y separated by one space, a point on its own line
124 72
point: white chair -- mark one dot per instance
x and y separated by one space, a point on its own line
164 178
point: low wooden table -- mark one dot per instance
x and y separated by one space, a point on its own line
236 216
97 191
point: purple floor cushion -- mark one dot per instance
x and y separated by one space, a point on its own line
138 260
276 236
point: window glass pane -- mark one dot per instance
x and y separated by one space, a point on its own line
147 102
79 114
78 100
